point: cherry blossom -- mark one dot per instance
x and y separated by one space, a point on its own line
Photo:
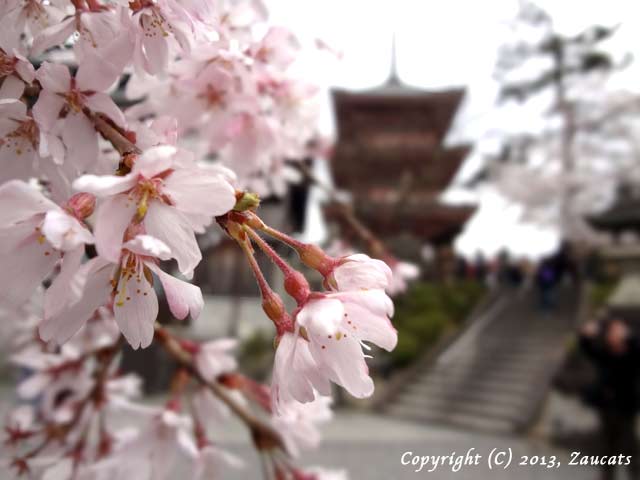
336 324
15 69
359 271
72 137
96 31
159 28
298 423
211 462
151 452
34 234
296 374
19 141
129 282
30 15
211 109
328 345
214 358
402 274
169 193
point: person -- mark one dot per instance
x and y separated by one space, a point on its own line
546 279
480 268
615 353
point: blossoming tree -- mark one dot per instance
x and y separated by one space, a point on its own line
99 210
577 142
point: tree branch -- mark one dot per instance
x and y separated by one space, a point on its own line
121 143
265 437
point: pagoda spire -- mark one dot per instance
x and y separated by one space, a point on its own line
393 79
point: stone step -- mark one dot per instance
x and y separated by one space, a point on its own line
507 398
474 383
523 336
491 378
496 360
509 371
458 420
492 407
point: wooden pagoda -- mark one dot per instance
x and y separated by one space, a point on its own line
390 156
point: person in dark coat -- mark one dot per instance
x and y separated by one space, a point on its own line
615 352
546 281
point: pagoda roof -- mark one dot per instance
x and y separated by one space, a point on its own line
399 92
430 169
428 219
385 111
624 214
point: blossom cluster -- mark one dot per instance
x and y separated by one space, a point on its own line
69 424
101 208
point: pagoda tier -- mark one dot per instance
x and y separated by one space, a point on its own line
420 168
390 111
427 219
390 157
623 215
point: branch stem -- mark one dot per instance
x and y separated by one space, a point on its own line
264 436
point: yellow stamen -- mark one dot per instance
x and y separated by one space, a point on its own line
142 205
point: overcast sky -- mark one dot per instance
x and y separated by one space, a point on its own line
442 44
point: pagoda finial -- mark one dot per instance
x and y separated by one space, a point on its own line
393 79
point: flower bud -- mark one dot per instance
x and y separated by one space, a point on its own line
314 257
82 205
273 306
296 285
246 201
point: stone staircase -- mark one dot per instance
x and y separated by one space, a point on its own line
495 375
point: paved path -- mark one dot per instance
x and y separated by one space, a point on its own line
370 447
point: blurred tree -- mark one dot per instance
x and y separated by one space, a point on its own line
567 134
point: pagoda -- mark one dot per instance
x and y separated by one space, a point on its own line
391 157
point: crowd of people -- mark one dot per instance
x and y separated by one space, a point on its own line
504 271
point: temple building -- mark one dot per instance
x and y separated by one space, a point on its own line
391 157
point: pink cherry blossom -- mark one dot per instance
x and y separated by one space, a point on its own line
211 462
129 281
403 273
47 374
212 75
160 29
95 29
34 234
329 345
359 271
152 452
14 67
166 191
19 141
72 138
279 48
214 358
298 423
297 377
30 15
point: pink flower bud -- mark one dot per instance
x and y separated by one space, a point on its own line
82 204
273 306
314 257
297 286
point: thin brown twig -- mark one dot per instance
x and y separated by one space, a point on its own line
121 143
264 436
376 245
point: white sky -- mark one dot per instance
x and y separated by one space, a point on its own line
442 44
